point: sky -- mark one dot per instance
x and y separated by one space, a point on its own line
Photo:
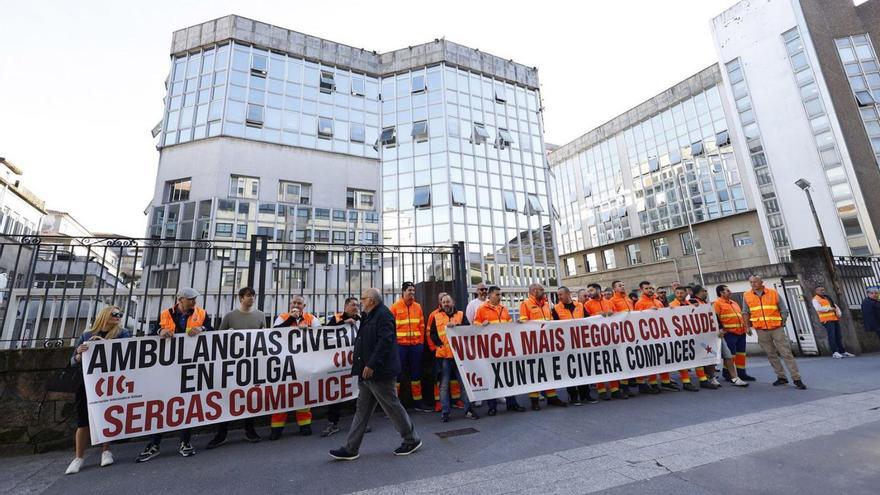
81 83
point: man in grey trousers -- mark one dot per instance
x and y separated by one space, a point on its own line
377 364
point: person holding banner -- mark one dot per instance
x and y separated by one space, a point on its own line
410 323
376 363
583 297
448 317
493 312
296 317
537 307
567 309
598 305
106 327
621 303
766 312
649 301
184 317
455 385
701 296
679 301
608 293
350 316
246 317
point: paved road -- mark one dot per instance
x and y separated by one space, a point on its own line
761 440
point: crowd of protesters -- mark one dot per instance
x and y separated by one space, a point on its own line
391 341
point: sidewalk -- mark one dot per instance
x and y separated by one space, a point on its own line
581 449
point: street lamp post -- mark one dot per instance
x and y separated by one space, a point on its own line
804 184
687 214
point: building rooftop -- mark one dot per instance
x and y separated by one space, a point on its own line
705 79
263 35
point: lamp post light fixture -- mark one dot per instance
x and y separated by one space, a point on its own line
804 184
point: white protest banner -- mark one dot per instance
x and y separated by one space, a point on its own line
507 359
140 386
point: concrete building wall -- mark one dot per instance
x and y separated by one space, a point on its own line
718 253
210 163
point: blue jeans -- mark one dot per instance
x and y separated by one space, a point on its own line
835 339
448 372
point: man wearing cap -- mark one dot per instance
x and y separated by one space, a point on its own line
184 317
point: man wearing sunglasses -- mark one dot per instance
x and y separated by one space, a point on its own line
473 306
184 317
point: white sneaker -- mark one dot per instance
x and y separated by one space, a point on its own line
737 382
106 458
846 355
715 381
74 466
837 355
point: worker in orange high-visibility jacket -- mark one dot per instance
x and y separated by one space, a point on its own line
621 303
296 317
680 300
765 311
595 304
537 308
648 301
454 384
410 323
735 328
829 316
492 312
448 317
569 309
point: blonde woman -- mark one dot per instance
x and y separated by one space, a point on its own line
106 327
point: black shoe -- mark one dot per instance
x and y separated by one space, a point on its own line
780 381
251 435
471 414
491 412
744 376
517 408
556 401
620 395
670 386
305 430
575 402
690 387
591 400
657 388
420 407
800 385
644 388
628 391
536 404
708 384
186 449
444 417
216 442
330 429
341 454
606 395
149 452
276 434
407 448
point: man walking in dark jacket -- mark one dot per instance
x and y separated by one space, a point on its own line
871 310
377 364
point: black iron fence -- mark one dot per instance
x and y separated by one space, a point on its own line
858 273
51 287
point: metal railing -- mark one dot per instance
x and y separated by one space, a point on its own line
51 287
858 273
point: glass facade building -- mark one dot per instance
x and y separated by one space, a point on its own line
457 139
647 177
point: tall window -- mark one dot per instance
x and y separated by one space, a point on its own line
243 187
610 263
294 192
590 263
360 200
660 248
177 190
634 253
687 244
570 267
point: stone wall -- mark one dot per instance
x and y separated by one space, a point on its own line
33 420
